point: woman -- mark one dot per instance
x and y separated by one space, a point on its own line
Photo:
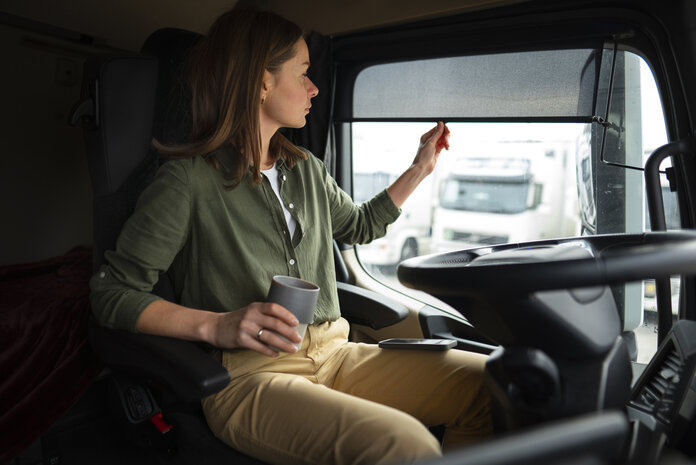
241 204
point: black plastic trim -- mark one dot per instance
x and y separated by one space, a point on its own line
593 438
367 308
438 325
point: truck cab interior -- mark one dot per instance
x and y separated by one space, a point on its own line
557 234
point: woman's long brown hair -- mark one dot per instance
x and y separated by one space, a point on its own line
225 71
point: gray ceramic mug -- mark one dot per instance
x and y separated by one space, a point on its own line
298 296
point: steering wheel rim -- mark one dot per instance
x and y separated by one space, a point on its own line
603 261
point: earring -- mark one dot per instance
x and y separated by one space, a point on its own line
263 100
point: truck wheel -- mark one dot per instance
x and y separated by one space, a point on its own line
409 249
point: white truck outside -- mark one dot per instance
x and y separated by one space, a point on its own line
409 235
507 192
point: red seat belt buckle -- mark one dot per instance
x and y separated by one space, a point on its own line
161 425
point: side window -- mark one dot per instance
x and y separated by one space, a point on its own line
528 159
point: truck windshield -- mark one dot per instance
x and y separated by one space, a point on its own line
484 196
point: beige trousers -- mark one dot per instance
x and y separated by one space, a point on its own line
336 402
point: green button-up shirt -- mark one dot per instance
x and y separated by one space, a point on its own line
222 247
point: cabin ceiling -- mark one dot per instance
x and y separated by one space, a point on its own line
125 24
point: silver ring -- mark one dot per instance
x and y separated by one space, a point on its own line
258 335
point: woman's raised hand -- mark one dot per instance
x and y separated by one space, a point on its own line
431 144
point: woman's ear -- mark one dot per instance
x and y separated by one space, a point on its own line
266 84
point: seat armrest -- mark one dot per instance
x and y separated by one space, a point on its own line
181 366
368 308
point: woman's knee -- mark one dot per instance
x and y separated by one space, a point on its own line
414 445
401 440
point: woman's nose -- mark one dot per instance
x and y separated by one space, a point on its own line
312 90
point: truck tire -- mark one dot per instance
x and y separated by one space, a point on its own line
409 249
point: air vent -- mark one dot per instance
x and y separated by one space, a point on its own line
663 398
658 394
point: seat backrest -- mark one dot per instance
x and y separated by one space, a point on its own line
126 101
117 110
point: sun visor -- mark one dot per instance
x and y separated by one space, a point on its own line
539 85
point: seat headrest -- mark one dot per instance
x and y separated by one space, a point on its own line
170 46
129 99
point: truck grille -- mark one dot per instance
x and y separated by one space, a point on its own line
474 238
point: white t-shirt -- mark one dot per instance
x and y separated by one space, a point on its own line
272 175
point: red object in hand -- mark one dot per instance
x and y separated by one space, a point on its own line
443 141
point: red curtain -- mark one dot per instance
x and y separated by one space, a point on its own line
46 363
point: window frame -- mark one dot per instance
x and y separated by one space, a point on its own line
523 28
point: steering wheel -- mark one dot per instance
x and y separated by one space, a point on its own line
528 267
550 294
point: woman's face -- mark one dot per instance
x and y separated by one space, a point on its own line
288 93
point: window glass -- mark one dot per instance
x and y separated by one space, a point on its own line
505 84
512 182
